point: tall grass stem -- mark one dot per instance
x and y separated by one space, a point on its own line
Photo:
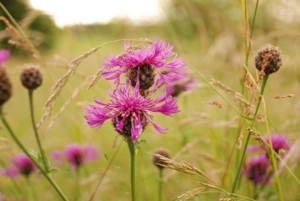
264 82
44 158
160 184
21 146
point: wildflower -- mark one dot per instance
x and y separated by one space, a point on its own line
31 77
268 59
279 142
21 164
5 84
76 155
257 169
130 111
148 64
157 161
185 84
4 54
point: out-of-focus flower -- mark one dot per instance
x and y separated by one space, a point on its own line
148 64
5 84
280 143
257 169
157 161
185 84
4 54
76 155
130 111
21 164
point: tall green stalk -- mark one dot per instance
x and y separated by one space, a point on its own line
160 184
264 82
21 146
44 158
131 147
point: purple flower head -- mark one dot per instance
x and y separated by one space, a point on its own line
280 142
150 64
257 169
4 54
130 111
76 155
21 164
185 84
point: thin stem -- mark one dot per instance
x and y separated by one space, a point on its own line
44 159
77 190
132 163
273 160
108 166
160 184
18 142
264 82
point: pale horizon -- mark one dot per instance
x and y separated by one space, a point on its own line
68 12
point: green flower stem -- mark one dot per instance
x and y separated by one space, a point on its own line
160 184
132 163
18 142
77 193
273 161
264 82
44 159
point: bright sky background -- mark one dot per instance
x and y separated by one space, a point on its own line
66 12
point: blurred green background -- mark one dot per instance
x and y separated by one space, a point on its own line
210 36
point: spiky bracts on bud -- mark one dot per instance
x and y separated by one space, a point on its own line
31 77
158 162
268 59
5 86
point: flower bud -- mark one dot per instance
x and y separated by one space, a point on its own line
268 59
157 161
31 78
5 86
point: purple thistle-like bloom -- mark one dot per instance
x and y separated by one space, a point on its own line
155 57
130 111
21 164
76 155
4 54
257 169
279 142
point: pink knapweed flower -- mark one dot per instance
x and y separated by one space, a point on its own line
4 54
280 142
76 155
257 169
21 164
152 61
185 84
130 111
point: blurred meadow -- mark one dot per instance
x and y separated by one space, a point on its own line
212 37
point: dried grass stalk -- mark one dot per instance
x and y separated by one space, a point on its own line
284 96
59 85
180 167
191 194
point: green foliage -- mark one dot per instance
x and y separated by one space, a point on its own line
39 27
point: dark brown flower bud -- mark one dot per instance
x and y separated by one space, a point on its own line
268 59
146 76
157 161
31 78
5 86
